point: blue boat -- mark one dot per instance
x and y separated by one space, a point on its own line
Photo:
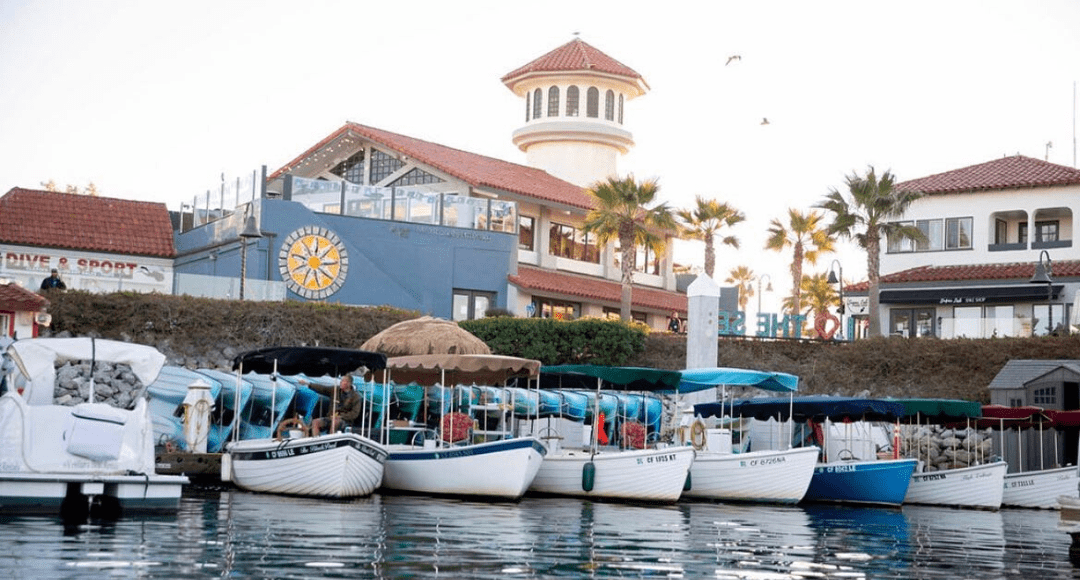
608 406
167 394
225 417
266 407
574 405
406 401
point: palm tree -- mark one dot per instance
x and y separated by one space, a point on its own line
818 297
864 215
704 222
743 277
622 213
807 240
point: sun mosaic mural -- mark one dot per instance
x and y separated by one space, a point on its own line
313 262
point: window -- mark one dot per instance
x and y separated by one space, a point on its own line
898 243
5 324
472 304
571 101
415 176
958 233
1044 396
967 321
609 105
352 169
932 230
553 102
525 233
592 102
912 322
1045 315
569 242
1021 232
620 108
1016 402
646 261
1046 231
383 165
536 103
528 102
1001 232
999 321
615 314
557 309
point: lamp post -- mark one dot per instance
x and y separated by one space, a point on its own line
1043 273
839 281
768 288
251 231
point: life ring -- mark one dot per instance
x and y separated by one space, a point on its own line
697 435
289 425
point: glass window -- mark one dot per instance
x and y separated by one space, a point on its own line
614 314
383 165
647 261
571 101
1046 231
1045 396
525 233
569 242
900 322
557 309
958 233
528 102
536 104
1021 232
968 321
472 304
415 176
592 102
609 105
1044 319
898 243
932 229
553 102
999 321
924 322
1001 232
620 108
352 169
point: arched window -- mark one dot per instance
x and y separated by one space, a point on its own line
527 103
537 95
571 101
553 102
620 108
609 105
592 102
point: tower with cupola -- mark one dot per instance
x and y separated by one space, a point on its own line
575 98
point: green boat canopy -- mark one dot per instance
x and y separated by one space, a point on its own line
939 410
611 378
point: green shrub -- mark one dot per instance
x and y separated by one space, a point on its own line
554 342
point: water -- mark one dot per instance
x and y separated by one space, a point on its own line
244 535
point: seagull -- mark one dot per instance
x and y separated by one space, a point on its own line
731 58
764 121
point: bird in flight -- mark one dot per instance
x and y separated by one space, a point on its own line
731 58
764 120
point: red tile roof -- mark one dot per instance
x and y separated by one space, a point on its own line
970 273
576 55
594 289
476 170
15 298
1007 173
82 222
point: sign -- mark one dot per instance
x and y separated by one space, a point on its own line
767 325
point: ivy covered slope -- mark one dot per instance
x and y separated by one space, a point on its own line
208 333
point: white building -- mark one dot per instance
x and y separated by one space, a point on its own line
987 226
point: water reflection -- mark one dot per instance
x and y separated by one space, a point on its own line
239 534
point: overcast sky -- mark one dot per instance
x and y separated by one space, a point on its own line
153 102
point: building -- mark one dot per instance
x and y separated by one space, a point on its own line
22 312
371 217
987 229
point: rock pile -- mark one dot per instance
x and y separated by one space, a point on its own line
114 384
942 448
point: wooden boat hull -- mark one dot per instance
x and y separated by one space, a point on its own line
657 475
1040 489
882 482
979 486
332 465
500 469
781 476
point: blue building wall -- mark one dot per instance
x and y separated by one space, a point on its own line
400 264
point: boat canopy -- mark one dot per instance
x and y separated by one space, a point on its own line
939 410
449 369
610 378
314 361
1026 417
812 408
694 380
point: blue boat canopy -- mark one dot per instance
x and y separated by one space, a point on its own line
813 408
700 379
611 378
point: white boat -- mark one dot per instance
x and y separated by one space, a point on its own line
978 486
501 469
655 474
90 459
774 476
1040 489
330 465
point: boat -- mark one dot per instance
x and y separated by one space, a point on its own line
166 402
270 398
653 474
772 476
979 485
438 464
225 419
841 477
1043 487
294 462
90 459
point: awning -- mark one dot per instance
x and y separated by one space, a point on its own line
970 295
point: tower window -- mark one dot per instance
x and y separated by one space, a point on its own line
537 96
571 101
553 102
609 105
592 102
620 108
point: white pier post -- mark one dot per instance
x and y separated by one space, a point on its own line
197 406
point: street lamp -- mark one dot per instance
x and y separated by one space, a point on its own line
838 279
1043 273
768 288
251 231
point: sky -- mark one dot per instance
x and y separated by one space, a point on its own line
154 101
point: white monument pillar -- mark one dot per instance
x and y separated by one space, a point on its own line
703 305
197 406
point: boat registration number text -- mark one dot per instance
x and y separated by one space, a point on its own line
656 459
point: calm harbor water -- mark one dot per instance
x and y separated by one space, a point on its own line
229 533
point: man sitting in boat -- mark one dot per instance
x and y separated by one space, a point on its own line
348 409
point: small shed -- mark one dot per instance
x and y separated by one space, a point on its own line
22 312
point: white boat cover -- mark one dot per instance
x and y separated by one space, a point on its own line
36 359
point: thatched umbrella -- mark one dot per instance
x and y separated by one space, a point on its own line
425 335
